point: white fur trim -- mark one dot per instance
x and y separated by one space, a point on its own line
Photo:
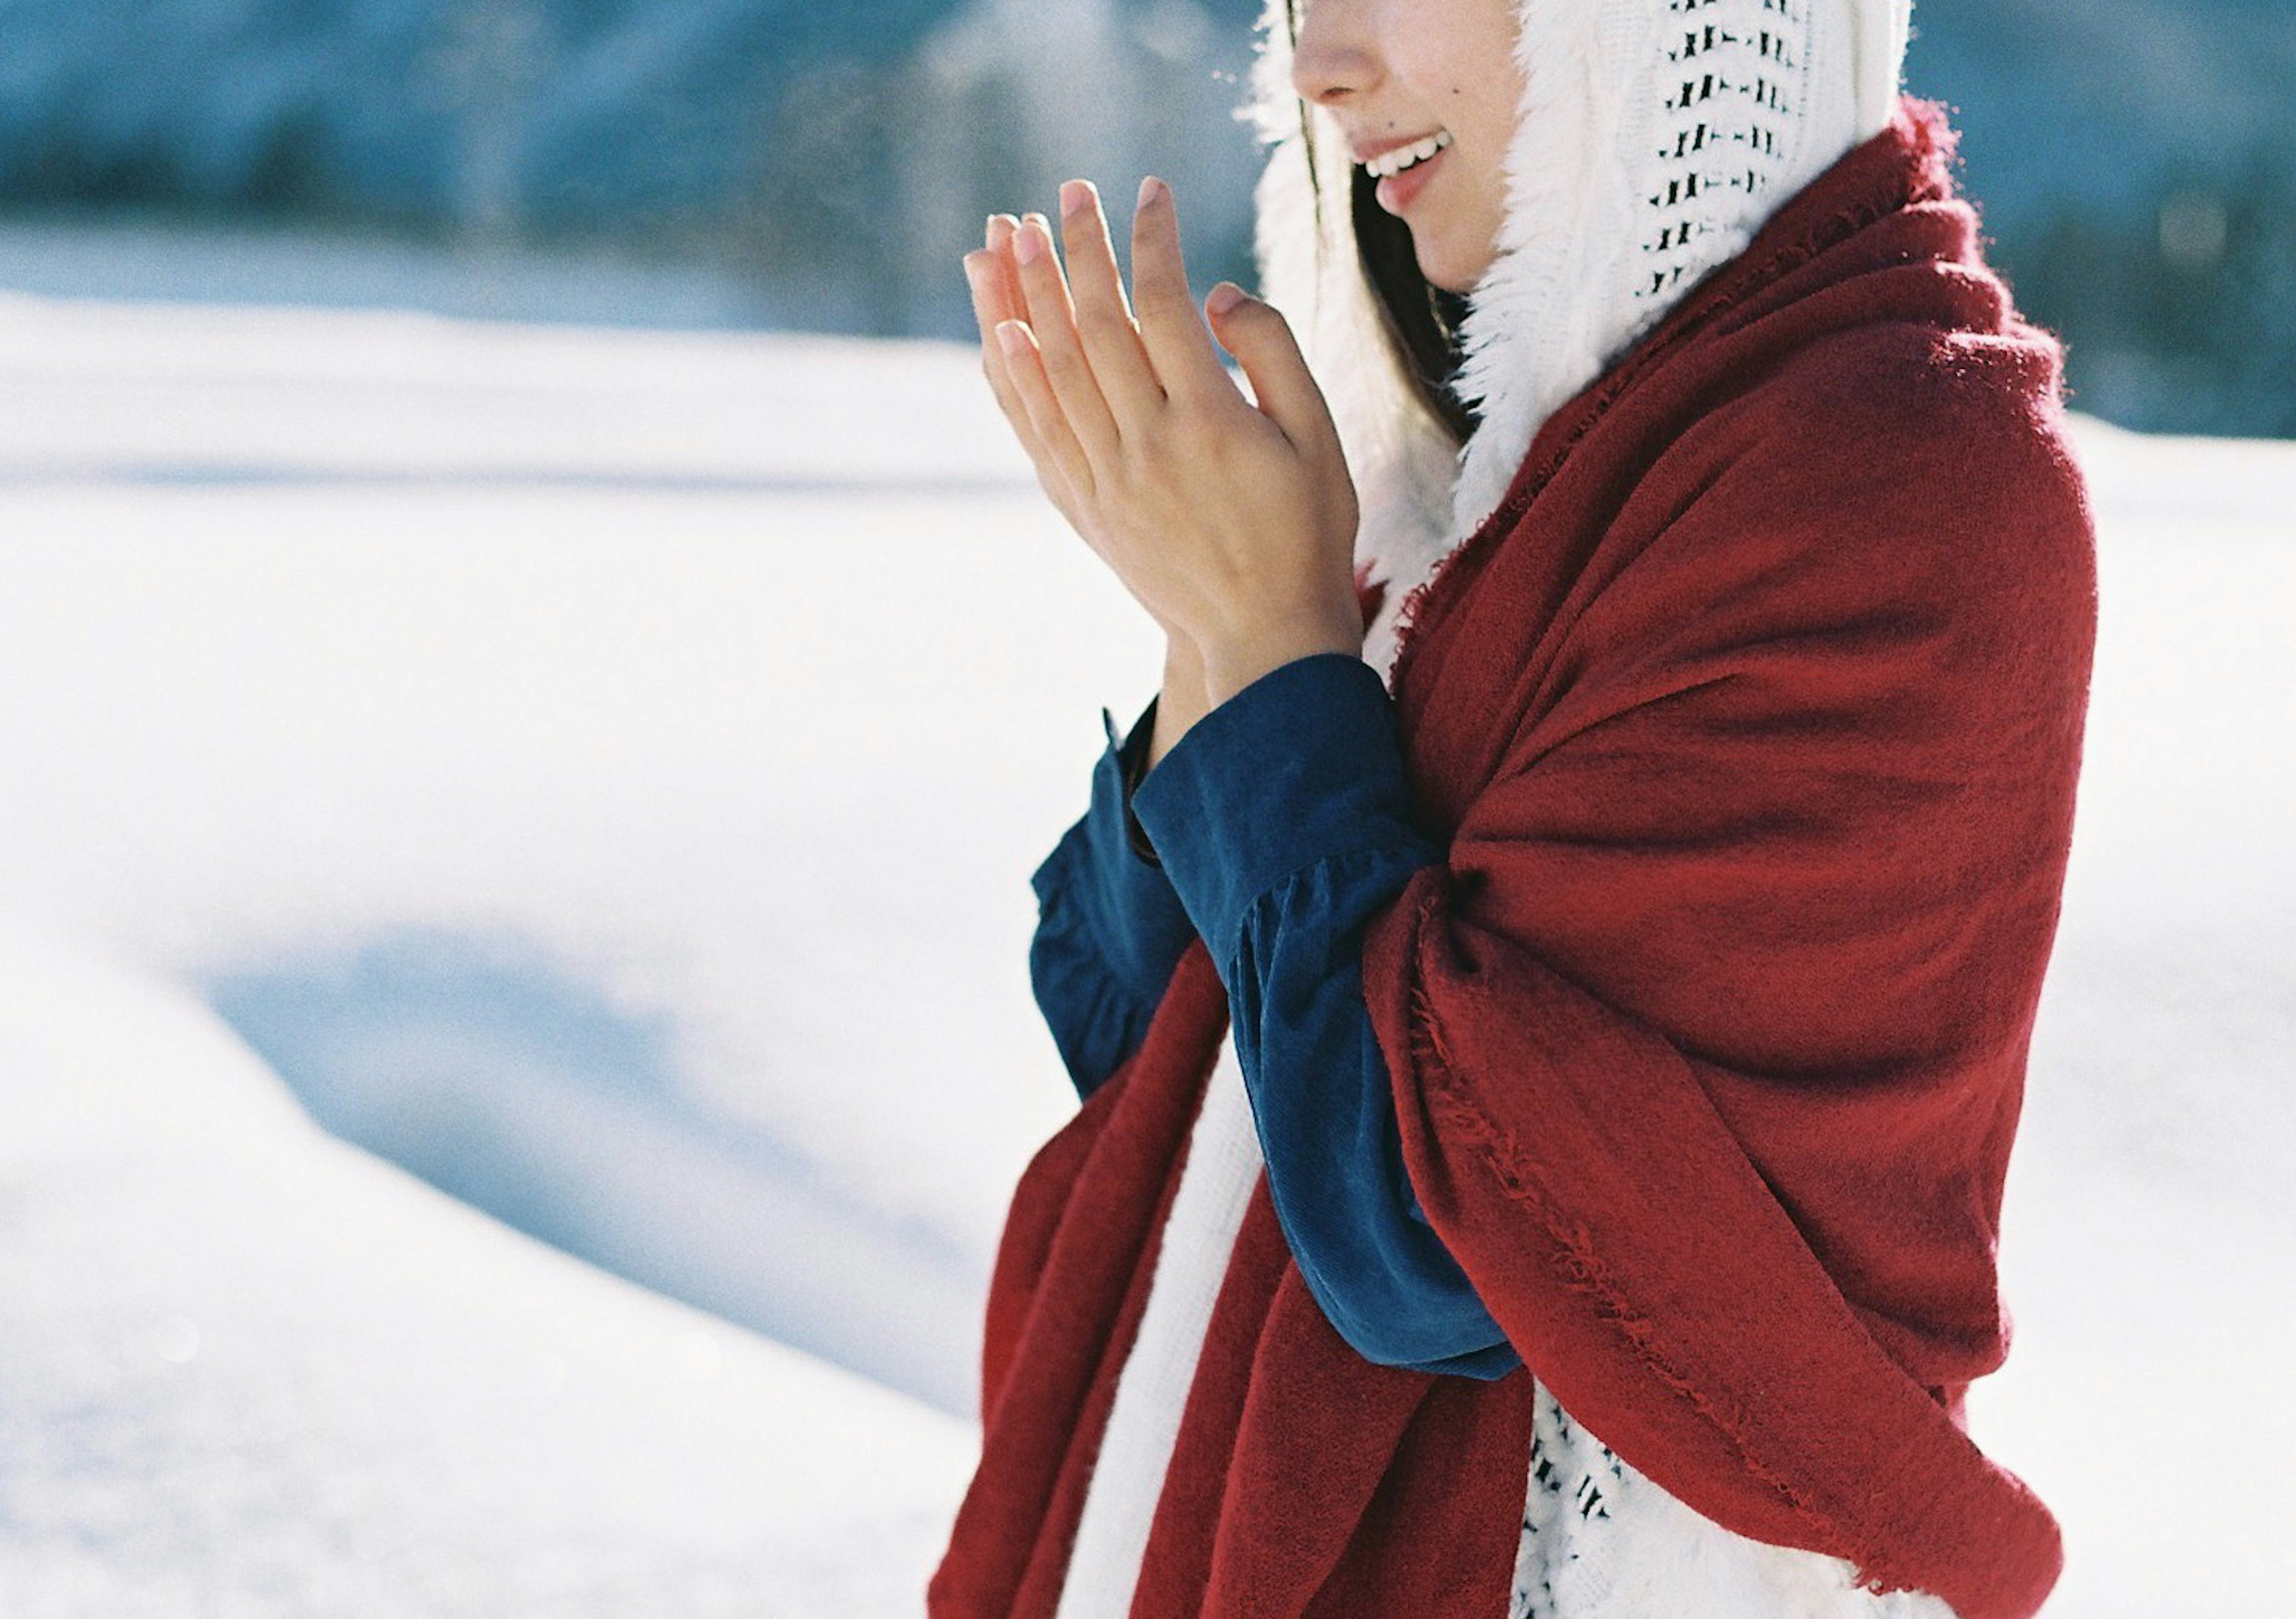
1884 27
1594 146
1151 1392
1626 102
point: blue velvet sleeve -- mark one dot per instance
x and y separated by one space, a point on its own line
1110 930
1282 818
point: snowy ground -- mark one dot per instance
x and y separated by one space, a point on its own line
739 681
246 1371
602 770
109 256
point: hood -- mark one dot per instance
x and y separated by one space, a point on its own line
1654 139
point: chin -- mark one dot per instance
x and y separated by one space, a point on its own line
1445 272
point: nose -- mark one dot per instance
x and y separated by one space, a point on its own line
1332 53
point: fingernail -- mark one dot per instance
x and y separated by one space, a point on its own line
1033 240
1014 335
1224 298
1153 191
1000 229
1076 196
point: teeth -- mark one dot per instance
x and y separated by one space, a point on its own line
1406 157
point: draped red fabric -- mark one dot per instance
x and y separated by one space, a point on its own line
1752 723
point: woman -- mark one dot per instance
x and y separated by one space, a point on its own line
1545 1112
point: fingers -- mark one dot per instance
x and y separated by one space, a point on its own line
1103 317
992 306
1053 451
1173 333
1262 342
1045 412
1004 283
1001 230
1051 322
997 298
1074 367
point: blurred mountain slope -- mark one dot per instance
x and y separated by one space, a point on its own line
2136 158
2089 105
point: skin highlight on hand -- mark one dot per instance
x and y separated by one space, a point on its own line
1230 519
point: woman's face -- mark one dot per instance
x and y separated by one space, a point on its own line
1406 78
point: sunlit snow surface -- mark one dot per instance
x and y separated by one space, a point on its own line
246 1370
605 768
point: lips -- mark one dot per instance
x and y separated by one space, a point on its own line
1402 168
1397 192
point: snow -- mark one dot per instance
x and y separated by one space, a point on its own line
641 650
123 258
246 1370
557 749
2152 1225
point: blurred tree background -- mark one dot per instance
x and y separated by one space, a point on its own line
2135 159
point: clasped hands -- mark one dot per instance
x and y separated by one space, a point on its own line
1232 522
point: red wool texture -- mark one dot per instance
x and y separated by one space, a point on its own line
1751 722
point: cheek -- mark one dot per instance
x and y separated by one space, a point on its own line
1487 108
1488 94
1483 128
1490 80
1464 239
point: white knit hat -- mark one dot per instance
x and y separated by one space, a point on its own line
1655 138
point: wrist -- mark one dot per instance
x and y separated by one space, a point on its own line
1183 665
1232 664
1182 701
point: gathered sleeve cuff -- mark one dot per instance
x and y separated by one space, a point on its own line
1110 929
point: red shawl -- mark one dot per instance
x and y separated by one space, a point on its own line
1751 720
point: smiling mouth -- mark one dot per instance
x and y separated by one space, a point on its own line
1389 164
